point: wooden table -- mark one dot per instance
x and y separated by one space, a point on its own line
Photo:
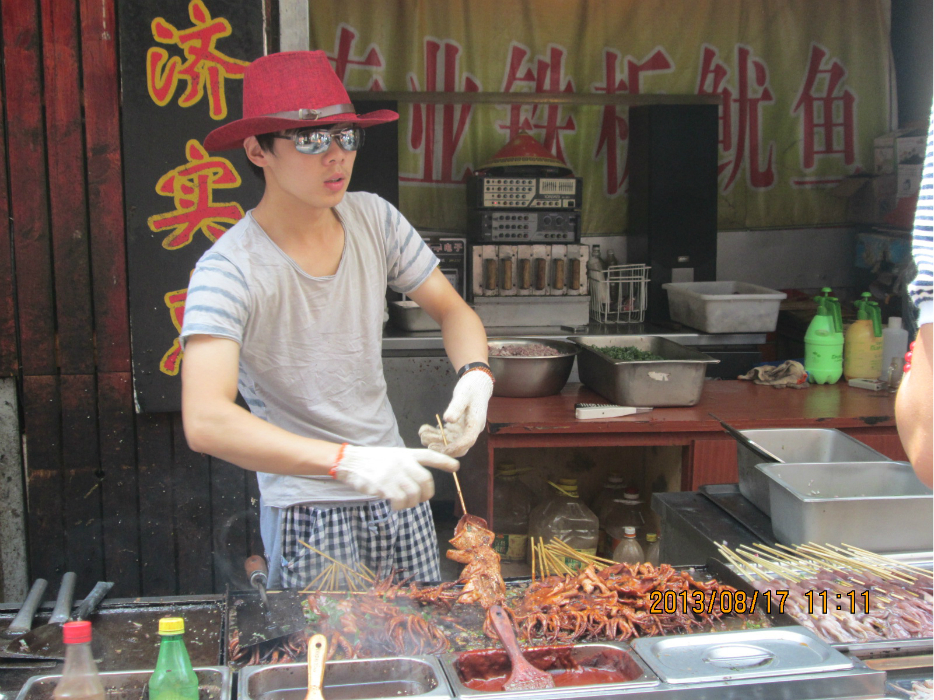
708 452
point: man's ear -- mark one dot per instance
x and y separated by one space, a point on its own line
254 151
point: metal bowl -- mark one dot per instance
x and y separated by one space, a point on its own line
530 377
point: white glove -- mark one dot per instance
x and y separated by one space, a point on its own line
395 473
465 417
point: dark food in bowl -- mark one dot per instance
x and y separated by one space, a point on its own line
530 367
628 353
529 350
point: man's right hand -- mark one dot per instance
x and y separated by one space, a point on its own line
395 473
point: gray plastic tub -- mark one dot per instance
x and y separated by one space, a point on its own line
724 307
800 445
879 506
676 380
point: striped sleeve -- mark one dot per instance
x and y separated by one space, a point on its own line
217 302
921 289
409 259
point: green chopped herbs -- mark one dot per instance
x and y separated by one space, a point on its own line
628 353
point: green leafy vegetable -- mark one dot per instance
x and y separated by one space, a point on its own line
628 353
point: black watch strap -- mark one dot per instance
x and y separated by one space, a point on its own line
472 365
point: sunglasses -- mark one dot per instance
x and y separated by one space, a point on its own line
313 142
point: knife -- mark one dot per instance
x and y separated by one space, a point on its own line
22 623
45 642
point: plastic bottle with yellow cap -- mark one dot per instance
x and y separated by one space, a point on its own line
174 678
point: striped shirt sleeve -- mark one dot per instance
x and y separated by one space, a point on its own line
921 289
217 302
409 259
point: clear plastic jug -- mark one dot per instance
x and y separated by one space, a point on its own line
565 516
512 504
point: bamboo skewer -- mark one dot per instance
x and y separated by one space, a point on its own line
899 564
812 558
813 568
457 483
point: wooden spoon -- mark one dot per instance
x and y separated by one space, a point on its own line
524 676
317 656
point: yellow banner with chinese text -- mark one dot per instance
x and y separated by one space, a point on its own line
805 87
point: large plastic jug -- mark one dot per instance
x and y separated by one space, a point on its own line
862 351
512 503
823 342
566 517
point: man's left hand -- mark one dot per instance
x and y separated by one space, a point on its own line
464 418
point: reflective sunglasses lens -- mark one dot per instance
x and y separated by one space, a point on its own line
312 142
351 139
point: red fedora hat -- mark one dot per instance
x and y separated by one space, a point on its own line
291 90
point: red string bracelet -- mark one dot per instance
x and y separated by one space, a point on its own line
340 455
911 348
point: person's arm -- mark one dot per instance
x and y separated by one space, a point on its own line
461 329
913 412
216 425
465 343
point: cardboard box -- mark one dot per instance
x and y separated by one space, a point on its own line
884 160
896 147
910 148
869 198
909 179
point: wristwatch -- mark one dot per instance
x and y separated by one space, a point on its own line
473 365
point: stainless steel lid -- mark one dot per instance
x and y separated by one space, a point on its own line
722 656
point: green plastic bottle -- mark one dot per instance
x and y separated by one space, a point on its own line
823 342
174 678
862 352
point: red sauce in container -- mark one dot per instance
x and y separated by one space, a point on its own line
487 670
562 678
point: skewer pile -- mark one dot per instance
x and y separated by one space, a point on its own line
559 558
845 594
331 577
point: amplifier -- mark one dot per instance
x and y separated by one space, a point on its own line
524 226
491 192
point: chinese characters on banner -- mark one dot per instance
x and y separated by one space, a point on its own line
182 77
792 122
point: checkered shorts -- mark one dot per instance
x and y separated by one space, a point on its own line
371 533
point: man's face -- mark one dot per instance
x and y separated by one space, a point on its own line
315 179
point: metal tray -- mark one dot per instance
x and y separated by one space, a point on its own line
359 679
797 445
879 506
214 683
600 654
727 656
409 316
728 498
863 650
677 380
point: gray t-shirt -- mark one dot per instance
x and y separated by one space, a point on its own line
310 347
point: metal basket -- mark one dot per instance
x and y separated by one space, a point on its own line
618 294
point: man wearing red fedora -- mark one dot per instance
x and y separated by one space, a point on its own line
287 307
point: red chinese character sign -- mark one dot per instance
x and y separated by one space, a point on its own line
182 64
803 88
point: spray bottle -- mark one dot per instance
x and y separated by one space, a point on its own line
823 342
862 353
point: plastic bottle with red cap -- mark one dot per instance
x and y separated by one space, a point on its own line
80 680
